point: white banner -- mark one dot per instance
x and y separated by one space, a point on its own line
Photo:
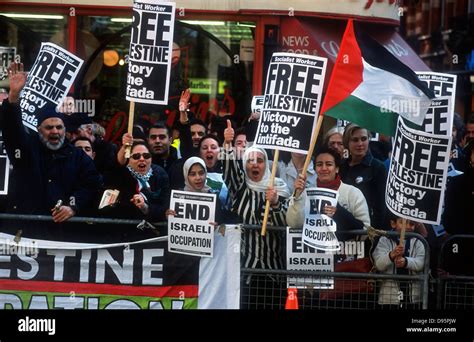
319 229
439 118
190 231
292 100
48 82
417 176
219 277
151 48
300 257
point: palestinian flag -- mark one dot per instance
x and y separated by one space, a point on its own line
371 87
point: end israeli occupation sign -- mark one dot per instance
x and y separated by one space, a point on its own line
151 47
417 175
292 100
190 231
48 81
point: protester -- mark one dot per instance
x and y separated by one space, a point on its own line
143 186
240 142
393 257
365 172
86 145
469 131
289 171
105 151
50 176
351 212
191 130
208 150
459 198
249 188
159 140
333 139
195 178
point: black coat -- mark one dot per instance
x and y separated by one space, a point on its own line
158 195
370 177
41 176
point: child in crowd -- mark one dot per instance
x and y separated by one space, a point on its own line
392 256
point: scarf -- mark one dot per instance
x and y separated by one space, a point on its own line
262 185
141 179
187 167
333 185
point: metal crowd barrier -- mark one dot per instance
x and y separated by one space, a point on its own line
267 289
456 280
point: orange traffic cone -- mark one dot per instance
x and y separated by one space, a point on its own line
292 299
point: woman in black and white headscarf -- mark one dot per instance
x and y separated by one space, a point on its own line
248 185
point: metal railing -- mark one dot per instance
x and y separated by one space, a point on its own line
271 285
266 289
456 287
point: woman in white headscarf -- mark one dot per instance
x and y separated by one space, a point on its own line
248 185
195 176
195 172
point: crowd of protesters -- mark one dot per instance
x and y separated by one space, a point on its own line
64 169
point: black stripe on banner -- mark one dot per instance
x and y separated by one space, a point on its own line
378 56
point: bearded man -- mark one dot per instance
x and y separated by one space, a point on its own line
50 176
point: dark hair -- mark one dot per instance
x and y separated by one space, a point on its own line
239 131
138 133
160 125
391 216
83 139
459 125
471 119
209 136
139 142
326 149
197 122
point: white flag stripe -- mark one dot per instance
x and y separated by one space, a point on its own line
405 99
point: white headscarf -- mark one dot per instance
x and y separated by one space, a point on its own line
187 166
262 186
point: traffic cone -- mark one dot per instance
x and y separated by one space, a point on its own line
292 299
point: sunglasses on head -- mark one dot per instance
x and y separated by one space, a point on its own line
137 156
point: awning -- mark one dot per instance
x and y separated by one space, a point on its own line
322 37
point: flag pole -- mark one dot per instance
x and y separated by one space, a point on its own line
314 137
267 202
402 232
131 115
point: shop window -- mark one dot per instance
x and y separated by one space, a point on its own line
208 60
26 31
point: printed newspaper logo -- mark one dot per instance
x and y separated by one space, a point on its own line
37 325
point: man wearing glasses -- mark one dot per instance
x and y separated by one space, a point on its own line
50 176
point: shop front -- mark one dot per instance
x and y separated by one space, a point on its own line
221 48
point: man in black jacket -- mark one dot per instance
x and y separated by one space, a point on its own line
50 176
159 140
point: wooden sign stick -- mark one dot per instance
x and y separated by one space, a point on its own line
131 115
267 202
